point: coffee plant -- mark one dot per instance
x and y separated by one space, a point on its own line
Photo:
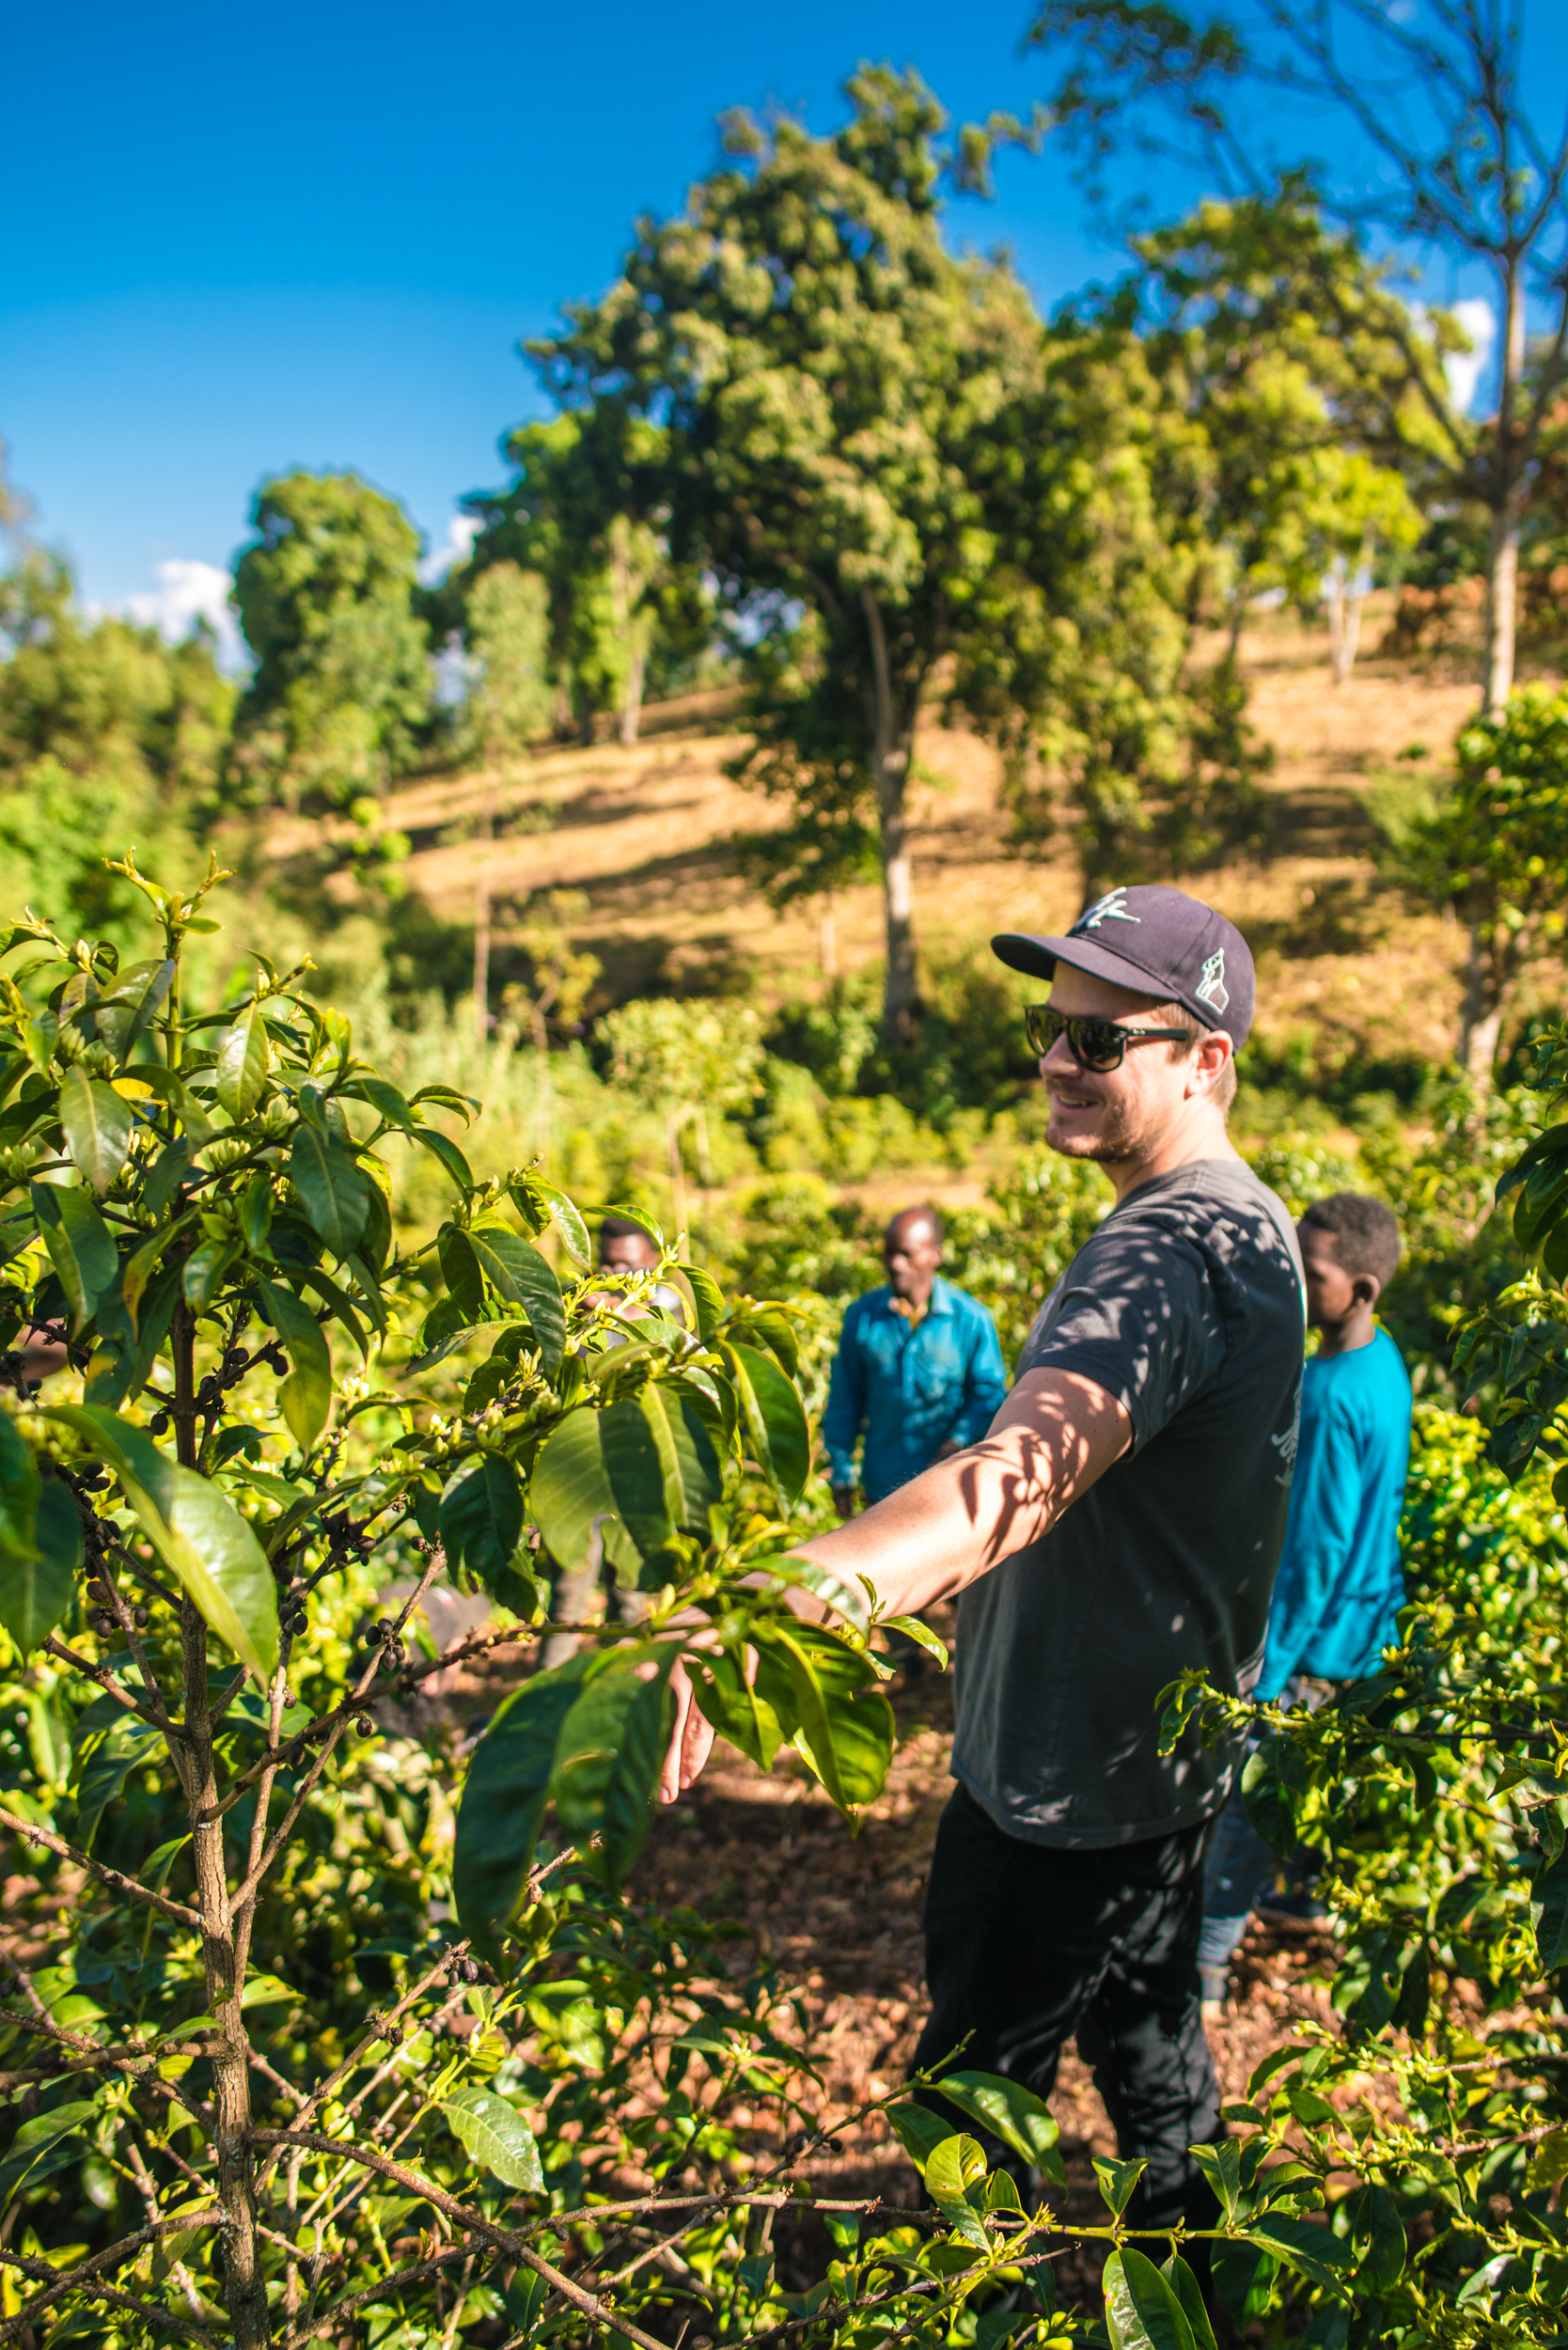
330 2017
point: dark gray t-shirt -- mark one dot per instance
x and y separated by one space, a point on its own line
1187 1305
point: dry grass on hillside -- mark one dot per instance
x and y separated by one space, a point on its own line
648 834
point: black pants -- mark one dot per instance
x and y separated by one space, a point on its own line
1029 1945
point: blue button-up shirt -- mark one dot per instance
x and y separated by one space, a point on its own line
912 1387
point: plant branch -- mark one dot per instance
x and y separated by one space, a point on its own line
61 2282
112 1877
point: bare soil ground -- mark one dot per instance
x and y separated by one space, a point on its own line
840 1916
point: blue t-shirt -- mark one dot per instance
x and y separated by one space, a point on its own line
1339 1587
912 1387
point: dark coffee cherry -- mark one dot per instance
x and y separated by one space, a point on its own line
159 1423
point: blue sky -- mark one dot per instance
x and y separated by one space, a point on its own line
313 235
240 241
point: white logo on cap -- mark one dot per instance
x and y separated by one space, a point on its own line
1211 987
1106 909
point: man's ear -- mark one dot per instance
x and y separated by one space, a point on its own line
1365 1289
1209 1057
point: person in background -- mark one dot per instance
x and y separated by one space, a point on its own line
919 1369
625 1247
1339 1587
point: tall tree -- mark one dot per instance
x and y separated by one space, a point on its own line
829 378
586 512
1445 150
1281 342
324 592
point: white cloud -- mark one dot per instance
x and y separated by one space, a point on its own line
1464 368
461 531
188 592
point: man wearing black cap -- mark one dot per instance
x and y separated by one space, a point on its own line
1120 1521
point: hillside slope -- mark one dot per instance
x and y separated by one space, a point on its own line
648 833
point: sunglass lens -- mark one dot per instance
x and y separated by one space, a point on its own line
1042 1028
1097 1043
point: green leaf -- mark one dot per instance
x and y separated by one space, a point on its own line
482 1515
1117 2181
201 1274
306 1396
1310 2249
730 1701
386 1100
611 1749
335 1192
1189 2292
172 1164
775 1418
1010 2112
517 1273
919 2131
19 1486
495 2135
126 1743
36 1592
1142 2312
569 1225
198 1534
80 1248
1548 1910
645 1466
256 1211
34 2140
503 1802
707 1298
913 1629
451 1158
242 1057
844 1726
952 2168
460 1269
1221 2166
98 1123
140 1268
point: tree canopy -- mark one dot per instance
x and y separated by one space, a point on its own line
324 591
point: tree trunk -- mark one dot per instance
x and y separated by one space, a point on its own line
892 740
827 937
1502 554
630 709
1345 602
229 2047
673 1124
481 924
1480 1018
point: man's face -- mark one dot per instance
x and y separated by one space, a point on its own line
1330 1290
626 1252
911 1252
1117 1113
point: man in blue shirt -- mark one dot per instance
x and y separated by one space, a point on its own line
918 1368
1339 1587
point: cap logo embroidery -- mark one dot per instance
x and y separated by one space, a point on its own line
1106 909
1211 987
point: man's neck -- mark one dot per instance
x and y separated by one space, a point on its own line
1201 1135
1357 1330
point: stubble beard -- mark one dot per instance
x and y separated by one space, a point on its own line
1115 1143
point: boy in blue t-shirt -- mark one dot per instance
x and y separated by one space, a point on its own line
1339 1587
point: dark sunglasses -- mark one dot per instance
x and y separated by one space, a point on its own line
1097 1044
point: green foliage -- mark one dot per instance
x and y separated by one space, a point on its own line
199 1205
1490 839
324 593
508 701
105 731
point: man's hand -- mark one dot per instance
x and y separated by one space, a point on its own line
691 1741
843 1501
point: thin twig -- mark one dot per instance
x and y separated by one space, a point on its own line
113 1877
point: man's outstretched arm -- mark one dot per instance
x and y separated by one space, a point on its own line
1055 1435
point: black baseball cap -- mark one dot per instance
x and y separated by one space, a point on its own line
1156 940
